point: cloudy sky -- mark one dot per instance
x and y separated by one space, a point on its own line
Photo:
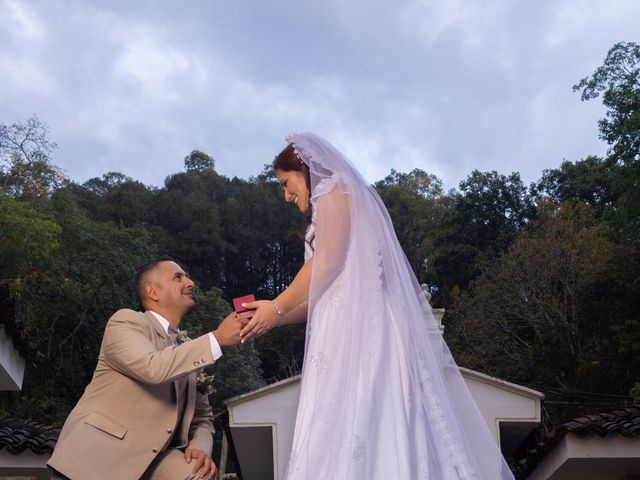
447 86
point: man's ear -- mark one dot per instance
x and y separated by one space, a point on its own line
152 292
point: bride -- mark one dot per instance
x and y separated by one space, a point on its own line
381 396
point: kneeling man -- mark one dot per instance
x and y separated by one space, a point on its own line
141 417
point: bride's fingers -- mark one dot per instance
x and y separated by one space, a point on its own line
248 328
259 329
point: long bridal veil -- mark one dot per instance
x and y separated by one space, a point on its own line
381 396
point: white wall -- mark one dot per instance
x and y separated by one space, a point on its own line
277 408
11 364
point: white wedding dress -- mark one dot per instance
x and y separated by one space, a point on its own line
381 397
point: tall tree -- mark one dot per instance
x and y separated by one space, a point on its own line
484 218
554 309
28 241
198 161
416 205
618 80
26 171
589 181
188 209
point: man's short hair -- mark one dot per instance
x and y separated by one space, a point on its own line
142 272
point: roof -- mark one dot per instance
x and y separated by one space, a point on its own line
466 372
18 435
499 383
623 420
262 391
14 329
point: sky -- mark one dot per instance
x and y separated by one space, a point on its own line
447 86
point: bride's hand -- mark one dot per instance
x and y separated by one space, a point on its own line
264 319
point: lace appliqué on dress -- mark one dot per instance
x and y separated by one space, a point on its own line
358 448
452 446
320 363
423 470
334 298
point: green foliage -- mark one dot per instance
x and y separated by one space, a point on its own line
618 79
25 169
634 393
28 238
117 198
416 205
482 221
590 181
198 161
536 314
188 210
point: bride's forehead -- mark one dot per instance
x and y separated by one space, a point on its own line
283 175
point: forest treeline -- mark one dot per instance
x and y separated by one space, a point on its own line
541 282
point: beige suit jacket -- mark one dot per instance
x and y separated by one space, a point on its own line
128 413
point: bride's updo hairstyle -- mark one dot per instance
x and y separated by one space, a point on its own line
289 161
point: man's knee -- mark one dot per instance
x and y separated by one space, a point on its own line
169 465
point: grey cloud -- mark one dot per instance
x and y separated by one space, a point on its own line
443 86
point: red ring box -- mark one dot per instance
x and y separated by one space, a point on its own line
240 310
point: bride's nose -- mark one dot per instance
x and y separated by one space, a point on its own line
287 196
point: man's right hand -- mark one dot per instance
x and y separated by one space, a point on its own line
228 332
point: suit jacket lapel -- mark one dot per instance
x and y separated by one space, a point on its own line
158 328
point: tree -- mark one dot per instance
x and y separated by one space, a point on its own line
589 181
556 310
28 141
28 240
482 220
416 205
27 172
198 161
618 79
188 209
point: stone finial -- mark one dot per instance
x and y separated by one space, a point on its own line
426 292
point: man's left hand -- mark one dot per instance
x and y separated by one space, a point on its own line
204 465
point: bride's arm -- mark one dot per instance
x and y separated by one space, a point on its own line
297 314
333 228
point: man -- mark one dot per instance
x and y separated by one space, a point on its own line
141 416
